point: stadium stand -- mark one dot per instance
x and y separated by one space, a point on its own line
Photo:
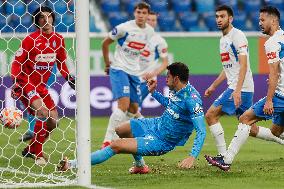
175 15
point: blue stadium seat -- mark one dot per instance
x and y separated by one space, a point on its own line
7 29
109 6
159 6
19 8
203 6
240 21
199 29
276 3
167 21
116 18
93 27
129 5
254 18
210 21
61 27
181 5
252 5
68 19
32 6
26 20
60 7
2 21
58 19
71 6
188 20
22 29
71 28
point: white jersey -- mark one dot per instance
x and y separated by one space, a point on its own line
131 41
231 45
274 49
157 47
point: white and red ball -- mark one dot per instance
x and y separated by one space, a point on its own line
11 117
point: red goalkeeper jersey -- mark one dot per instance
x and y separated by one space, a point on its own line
35 59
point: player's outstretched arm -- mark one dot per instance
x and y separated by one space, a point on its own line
152 84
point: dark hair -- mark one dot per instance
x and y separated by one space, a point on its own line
179 69
37 13
271 11
143 5
225 8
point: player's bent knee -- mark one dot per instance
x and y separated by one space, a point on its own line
245 119
115 146
210 117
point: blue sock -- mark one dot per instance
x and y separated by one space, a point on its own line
102 155
139 161
32 121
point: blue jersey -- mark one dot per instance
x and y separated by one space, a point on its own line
183 114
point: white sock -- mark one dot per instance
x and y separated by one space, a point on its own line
239 139
72 164
265 134
219 136
117 117
282 136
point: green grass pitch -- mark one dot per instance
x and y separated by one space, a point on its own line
258 165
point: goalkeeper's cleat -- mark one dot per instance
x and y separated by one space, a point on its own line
212 158
63 165
27 154
41 161
26 137
105 144
218 161
139 170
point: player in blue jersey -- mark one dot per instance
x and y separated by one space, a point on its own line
271 106
157 136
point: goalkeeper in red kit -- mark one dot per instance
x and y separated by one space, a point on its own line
30 71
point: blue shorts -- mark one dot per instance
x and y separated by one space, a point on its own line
144 91
125 85
278 115
148 143
228 105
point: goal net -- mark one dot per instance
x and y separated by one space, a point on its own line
16 23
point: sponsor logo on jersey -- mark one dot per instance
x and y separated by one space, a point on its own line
19 52
175 99
146 53
49 57
32 93
38 44
36 67
136 45
271 55
164 50
173 113
114 31
225 57
197 109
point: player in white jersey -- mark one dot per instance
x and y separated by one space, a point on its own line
131 37
238 97
156 48
271 106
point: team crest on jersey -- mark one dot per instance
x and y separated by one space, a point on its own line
19 52
54 44
114 31
197 109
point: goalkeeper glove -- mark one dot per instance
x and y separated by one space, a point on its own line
71 81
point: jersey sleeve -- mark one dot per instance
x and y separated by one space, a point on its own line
163 48
21 56
197 118
61 59
272 50
118 32
160 98
17 69
241 43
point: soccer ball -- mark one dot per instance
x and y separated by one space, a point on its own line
11 117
